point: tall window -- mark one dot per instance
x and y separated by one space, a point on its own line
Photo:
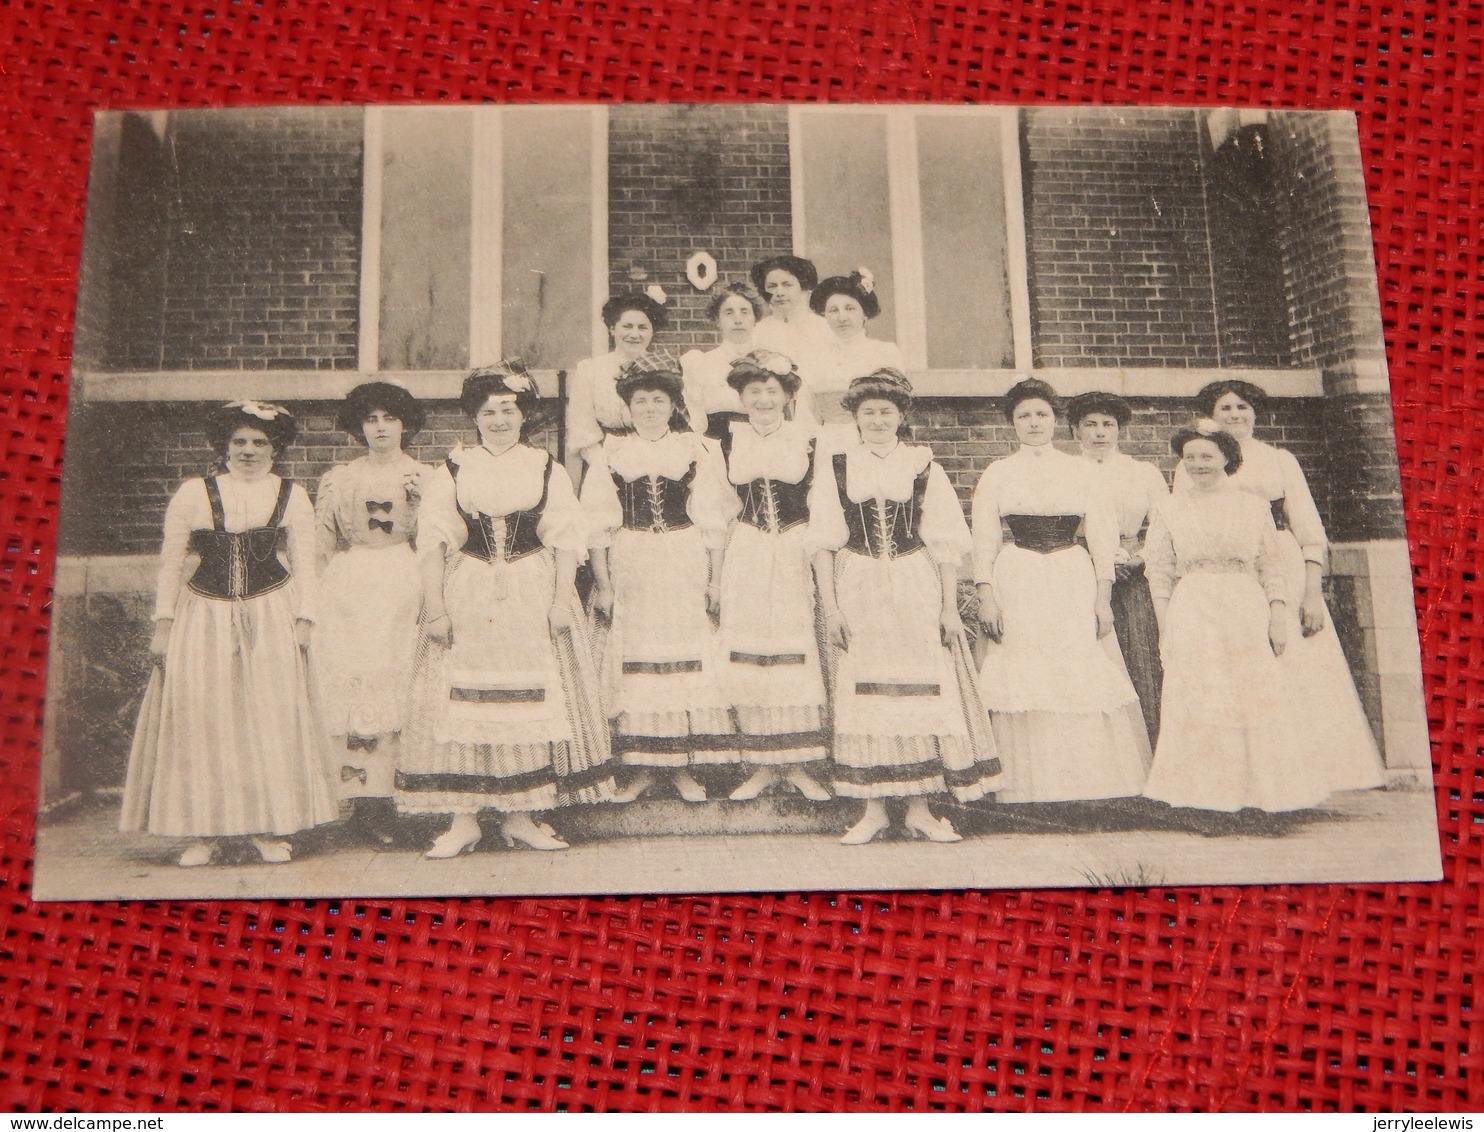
919 196
486 235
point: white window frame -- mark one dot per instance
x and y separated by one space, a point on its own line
904 191
486 225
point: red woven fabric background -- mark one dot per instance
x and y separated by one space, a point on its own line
1216 998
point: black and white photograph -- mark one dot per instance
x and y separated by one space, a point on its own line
536 500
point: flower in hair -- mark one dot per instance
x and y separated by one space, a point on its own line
657 293
866 279
260 409
779 365
1207 427
518 382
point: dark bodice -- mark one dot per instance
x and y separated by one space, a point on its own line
520 539
236 565
655 503
1043 533
769 504
882 530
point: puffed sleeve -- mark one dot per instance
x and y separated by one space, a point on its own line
1303 516
563 524
298 521
1099 526
1154 489
415 485
988 537
583 430
1270 568
600 502
1159 555
804 407
327 536
187 506
945 532
712 501
693 389
827 529
440 528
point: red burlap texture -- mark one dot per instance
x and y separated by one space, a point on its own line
1217 998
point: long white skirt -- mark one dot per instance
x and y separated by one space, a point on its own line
769 648
1064 713
491 722
662 664
227 743
1315 670
361 658
902 726
1232 736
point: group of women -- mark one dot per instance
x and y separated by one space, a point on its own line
773 588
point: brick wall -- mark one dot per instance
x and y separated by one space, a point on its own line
966 435
249 224
695 178
1120 268
1335 315
138 454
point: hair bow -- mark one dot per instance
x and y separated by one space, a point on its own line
657 293
1207 427
260 409
866 280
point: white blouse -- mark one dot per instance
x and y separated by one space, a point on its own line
888 476
1133 487
799 339
498 485
593 402
837 363
1274 473
245 505
781 455
340 512
1227 529
1042 480
711 503
707 391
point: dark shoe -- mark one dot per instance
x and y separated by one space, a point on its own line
375 821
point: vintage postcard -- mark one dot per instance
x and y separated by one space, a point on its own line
481 500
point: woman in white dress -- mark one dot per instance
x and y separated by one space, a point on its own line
1065 715
769 648
735 310
227 744
658 503
1234 736
888 534
594 408
791 327
1134 488
498 708
1314 663
846 303
370 600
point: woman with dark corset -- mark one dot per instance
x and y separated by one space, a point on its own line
1065 715
658 503
769 648
888 536
499 705
227 745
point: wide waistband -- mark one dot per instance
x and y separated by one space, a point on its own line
1218 566
1044 534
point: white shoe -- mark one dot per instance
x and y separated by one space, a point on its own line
761 779
273 851
801 781
462 835
198 854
